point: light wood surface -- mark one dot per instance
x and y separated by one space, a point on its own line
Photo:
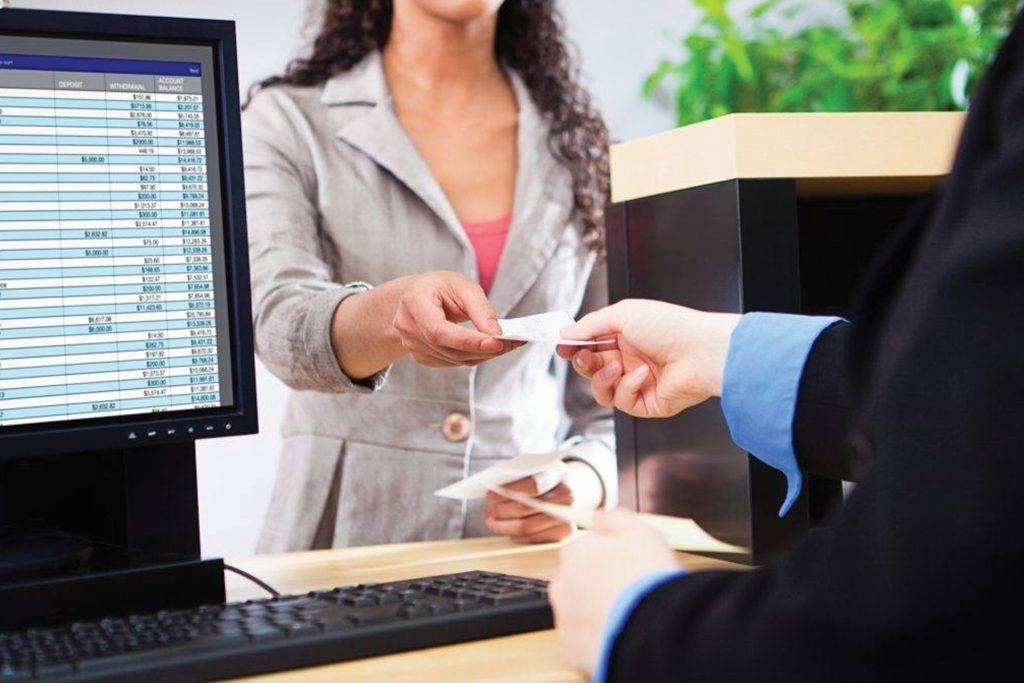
527 657
826 153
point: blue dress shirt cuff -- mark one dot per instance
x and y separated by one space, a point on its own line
766 358
622 609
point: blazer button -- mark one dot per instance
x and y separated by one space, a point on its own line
456 427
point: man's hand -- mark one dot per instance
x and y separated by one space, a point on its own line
593 571
573 483
668 358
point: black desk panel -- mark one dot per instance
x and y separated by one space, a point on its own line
738 245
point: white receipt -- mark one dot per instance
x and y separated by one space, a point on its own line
545 328
504 472
680 533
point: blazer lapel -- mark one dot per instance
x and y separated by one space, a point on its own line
541 208
380 135
543 200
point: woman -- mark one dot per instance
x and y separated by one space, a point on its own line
432 162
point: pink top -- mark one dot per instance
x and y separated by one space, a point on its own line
488 240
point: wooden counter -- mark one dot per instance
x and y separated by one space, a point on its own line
858 153
531 656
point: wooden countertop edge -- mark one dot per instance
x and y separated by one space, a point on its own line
857 146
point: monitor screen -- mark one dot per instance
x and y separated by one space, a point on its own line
113 289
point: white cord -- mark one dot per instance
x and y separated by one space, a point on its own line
468 454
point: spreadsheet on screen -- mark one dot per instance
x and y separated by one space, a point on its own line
110 234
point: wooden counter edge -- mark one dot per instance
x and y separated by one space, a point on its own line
856 146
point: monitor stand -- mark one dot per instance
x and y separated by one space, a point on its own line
38 552
95 534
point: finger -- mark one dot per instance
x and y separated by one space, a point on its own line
504 508
450 336
524 526
471 298
438 331
629 391
583 361
413 341
600 323
603 358
508 509
568 352
417 346
587 363
552 535
603 384
561 494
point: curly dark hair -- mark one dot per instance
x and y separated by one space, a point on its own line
530 39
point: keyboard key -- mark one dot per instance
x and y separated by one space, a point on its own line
259 635
253 623
232 615
333 621
442 608
360 601
376 615
508 598
300 628
411 611
290 603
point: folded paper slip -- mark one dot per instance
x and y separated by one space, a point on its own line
680 533
544 328
505 472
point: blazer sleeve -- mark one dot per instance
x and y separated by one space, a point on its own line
824 410
294 294
919 573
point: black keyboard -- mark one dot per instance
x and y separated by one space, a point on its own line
259 636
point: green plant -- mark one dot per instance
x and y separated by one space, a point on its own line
887 55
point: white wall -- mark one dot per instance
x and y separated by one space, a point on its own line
619 41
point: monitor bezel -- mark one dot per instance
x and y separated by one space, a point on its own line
181 426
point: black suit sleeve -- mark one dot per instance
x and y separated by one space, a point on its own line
824 410
918 577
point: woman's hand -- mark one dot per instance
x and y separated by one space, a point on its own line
668 358
573 483
427 317
419 315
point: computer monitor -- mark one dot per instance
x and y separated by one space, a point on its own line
125 329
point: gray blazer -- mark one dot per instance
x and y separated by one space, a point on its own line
339 197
